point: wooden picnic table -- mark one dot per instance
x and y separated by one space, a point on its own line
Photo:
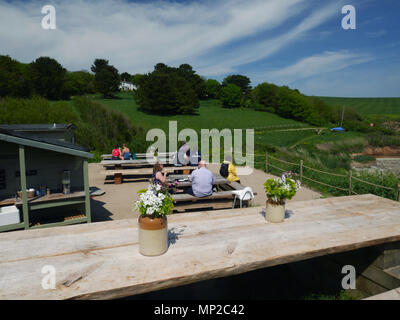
218 180
102 260
143 155
130 163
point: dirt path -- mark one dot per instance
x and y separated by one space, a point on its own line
118 200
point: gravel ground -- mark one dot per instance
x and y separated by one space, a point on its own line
118 200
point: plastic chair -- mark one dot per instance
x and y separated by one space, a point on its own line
245 194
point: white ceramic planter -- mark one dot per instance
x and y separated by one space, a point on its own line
275 213
153 236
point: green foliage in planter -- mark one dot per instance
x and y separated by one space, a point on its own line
280 189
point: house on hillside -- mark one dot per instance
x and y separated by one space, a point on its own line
43 180
127 86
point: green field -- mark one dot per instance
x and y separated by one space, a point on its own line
367 106
210 115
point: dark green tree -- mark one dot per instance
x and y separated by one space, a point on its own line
106 77
14 78
136 78
166 92
241 81
213 88
48 78
79 83
125 76
231 96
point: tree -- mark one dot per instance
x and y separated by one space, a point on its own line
231 96
79 83
125 76
166 92
213 88
14 78
48 78
106 77
242 82
136 79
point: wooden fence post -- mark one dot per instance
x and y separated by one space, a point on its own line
398 193
266 162
350 182
301 171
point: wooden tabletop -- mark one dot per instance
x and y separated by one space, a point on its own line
101 260
183 184
53 197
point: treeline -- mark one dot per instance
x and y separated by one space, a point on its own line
98 127
47 78
43 77
168 90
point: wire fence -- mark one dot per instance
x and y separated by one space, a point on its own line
334 183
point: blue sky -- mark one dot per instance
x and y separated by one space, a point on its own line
299 43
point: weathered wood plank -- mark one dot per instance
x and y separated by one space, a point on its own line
389 295
101 260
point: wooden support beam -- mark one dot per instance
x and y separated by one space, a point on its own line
22 170
87 190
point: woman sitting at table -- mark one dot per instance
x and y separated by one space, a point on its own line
116 153
125 154
159 174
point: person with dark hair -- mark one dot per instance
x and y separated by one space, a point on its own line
159 174
116 153
228 170
125 154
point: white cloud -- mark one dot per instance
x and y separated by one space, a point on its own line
318 64
136 36
377 34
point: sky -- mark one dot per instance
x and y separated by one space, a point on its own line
298 43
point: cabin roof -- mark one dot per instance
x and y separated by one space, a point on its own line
56 145
39 127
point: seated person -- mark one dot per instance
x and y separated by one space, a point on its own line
125 154
115 153
194 157
182 156
202 181
159 174
231 170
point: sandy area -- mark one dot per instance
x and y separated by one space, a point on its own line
118 200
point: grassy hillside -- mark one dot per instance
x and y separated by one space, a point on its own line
211 115
367 106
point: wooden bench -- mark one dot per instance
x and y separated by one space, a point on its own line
139 156
133 163
218 200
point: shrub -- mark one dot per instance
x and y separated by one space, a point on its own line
364 158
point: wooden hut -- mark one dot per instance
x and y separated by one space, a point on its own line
29 161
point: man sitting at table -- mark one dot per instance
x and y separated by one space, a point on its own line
202 181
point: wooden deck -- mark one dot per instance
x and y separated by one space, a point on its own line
101 260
